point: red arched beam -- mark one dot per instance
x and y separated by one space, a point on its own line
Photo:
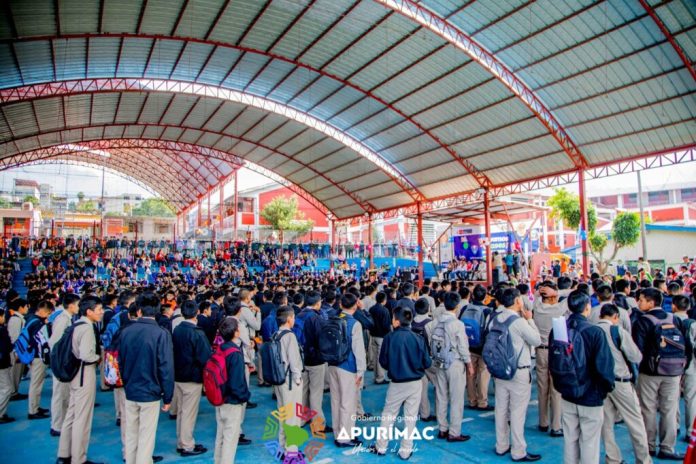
670 38
87 86
162 145
488 61
480 177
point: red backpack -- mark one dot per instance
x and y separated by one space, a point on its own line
215 376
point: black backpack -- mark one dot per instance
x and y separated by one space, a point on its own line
64 364
333 341
419 329
274 369
568 363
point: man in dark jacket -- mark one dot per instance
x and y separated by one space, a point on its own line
405 357
147 368
581 444
191 352
315 368
380 328
236 394
658 391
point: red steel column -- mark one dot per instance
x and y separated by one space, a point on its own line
419 225
487 226
332 250
210 222
53 225
583 224
199 214
235 204
222 209
369 241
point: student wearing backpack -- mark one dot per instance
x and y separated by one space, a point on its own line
680 307
605 296
15 323
191 352
546 307
513 325
660 338
346 369
449 350
420 321
405 357
583 386
77 425
61 390
623 400
235 393
39 344
109 303
315 366
477 382
6 384
381 327
146 361
290 391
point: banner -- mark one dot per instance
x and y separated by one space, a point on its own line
471 246
113 226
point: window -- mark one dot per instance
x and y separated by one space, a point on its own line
688 194
658 198
630 200
246 205
609 201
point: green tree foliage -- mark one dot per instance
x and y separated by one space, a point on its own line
88 207
80 197
625 230
284 216
154 207
4 203
31 199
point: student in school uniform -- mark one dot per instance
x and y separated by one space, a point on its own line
236 392
346 378
512 396
451 381
77 425
623 400
420 321
15 323
38 367
405 357
289 393
146 361
380 328
61 390
315 366
6 384
191 352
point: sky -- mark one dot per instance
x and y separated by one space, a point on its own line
69 180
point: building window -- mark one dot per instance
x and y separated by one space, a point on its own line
246 205
630 200
688 194
658 198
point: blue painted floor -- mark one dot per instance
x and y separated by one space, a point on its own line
29 441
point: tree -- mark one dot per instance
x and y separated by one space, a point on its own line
31 199
4 203
625 230
284 216
80 197
156 207
88 206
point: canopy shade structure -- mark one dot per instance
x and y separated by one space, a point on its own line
363 105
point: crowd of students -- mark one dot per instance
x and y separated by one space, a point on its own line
603 350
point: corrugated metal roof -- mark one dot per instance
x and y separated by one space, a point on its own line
395 113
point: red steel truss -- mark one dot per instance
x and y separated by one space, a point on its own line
143 148
86 86
669 36
445 29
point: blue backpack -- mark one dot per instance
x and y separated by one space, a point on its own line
474 319
54 315
498 351
568 363
298 328
25 345
108 336
269 326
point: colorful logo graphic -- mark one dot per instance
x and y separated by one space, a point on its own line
308 443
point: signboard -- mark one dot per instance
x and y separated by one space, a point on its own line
445 251
472 246
113 226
